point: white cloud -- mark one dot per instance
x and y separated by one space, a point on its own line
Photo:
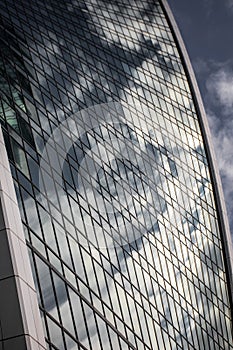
220 86
222 139
201 66
219 100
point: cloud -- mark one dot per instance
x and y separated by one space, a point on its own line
222 139
220 87
219 106
229 4
201 67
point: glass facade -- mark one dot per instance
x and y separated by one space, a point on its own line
112 178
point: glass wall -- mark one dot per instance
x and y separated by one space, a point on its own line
112 178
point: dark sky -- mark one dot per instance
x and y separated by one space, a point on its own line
207 30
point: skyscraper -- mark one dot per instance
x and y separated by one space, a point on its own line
121 207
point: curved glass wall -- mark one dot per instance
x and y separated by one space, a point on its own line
112 179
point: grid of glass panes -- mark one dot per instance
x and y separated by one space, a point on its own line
166 289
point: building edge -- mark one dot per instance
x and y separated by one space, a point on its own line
212 162
20 321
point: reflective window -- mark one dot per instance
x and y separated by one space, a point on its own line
112 178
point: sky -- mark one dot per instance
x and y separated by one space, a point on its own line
207 27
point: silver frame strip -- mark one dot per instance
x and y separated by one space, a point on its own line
20 321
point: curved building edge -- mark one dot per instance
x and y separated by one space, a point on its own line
214 172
